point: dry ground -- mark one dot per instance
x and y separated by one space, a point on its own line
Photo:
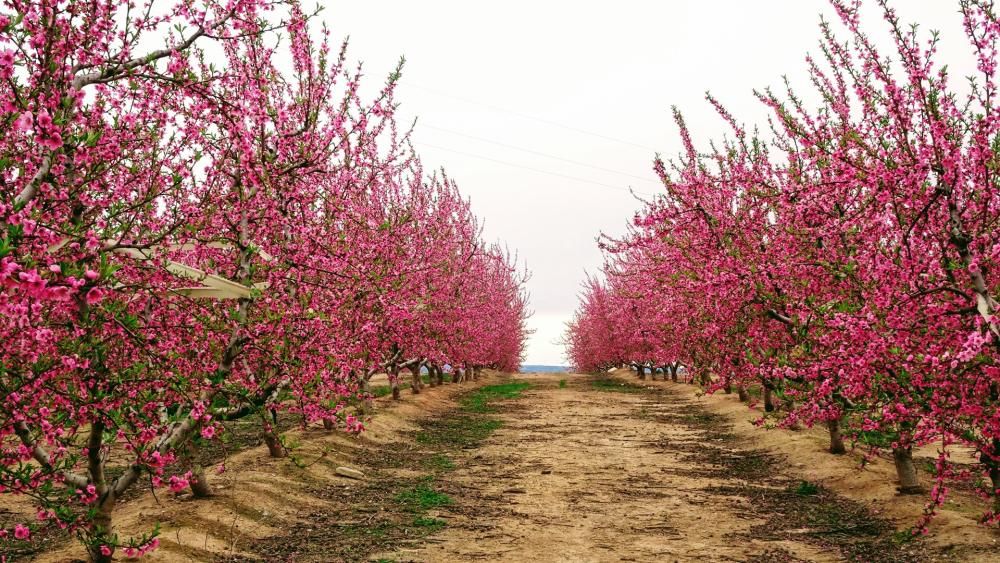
557 467
598 469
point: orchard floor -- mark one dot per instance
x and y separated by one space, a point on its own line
600 469
555 467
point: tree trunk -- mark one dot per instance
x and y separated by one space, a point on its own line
789 407
394 382
271 439
836 438
909 484
673 373
328 424
995 479
415 383
728 388
454 375
768 398
440 375
273 442
368 406
743 394
641 369
200 487
993 471
100 530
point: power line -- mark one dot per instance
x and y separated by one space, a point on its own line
533 118
538 170
538 153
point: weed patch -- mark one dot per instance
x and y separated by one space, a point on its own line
439 462
805 488
429 525
461 431
479 400
422 497
605 384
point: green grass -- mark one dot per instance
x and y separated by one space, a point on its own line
928 465
562 383
381 390
429 525
440 462
877 438
421 498
458 431
479 400
605 384
376 531
903 537
805 488
468 426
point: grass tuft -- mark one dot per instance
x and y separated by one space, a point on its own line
460 431
806 488
421 498
430 525
440 462
479 400
605 384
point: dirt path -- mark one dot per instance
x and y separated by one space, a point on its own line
544 468
589 470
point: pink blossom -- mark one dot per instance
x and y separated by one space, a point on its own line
23 122
95 296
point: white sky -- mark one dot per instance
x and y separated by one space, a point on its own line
479 72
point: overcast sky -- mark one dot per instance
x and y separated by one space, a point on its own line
547 112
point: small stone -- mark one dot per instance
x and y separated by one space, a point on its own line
350 473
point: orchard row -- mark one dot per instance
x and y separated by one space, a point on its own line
845 264
203 219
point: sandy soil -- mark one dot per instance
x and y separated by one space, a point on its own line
592 476
578 468
258 497
582 473
954 530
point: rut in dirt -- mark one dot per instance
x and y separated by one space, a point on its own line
557 467
589 468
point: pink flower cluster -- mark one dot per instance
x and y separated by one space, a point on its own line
846 266
188 240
